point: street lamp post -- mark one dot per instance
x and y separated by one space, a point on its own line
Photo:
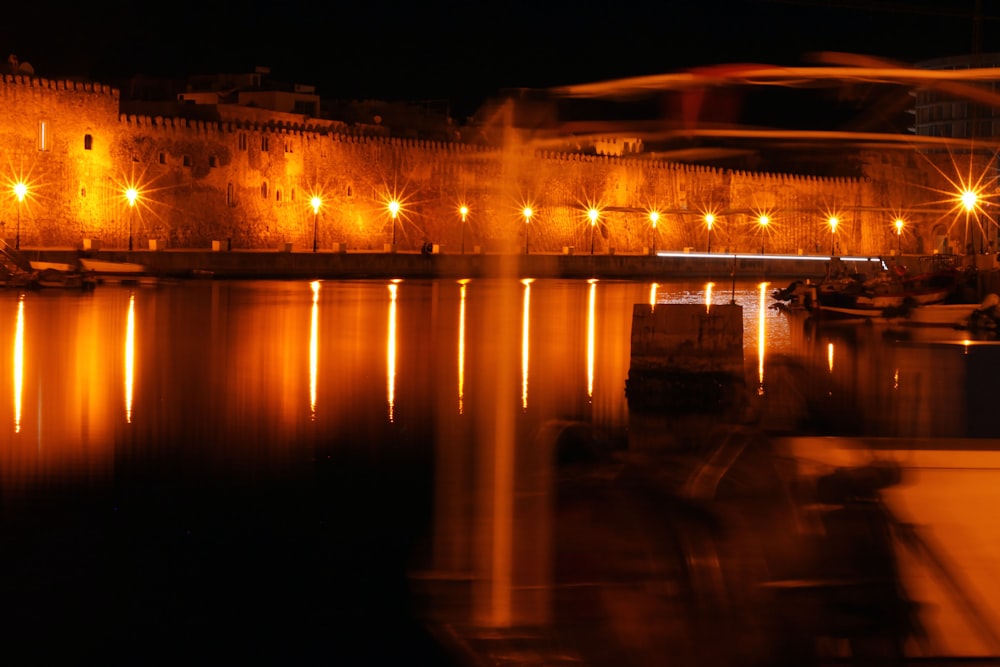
527 212
764 221
315 202
131 195
709 221
833 232
654 217
899 237
464 212
20 190
394 212
593 214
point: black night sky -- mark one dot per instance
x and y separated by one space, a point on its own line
462 51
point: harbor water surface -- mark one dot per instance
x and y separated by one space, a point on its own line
274 470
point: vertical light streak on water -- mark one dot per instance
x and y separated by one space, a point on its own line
461 346
829 356
313 348
129 357
708 295
895 379
390 379
761 336
18 363
590 336
652 295
525 341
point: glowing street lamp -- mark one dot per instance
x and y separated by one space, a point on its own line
654 217
463 211
527 213
969 198
709 221
20 190
899 236
315 202
764 222
393 207
131 194
593 214
833 230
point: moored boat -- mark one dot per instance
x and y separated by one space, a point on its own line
892 292
108 272
54 266
111 268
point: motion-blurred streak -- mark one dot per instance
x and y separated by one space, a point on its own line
770 75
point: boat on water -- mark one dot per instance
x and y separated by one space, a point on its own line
892 292
48 275
108 267
109 272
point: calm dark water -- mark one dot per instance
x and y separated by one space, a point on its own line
250 470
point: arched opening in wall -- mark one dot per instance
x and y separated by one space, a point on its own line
88 142
293 194
83 190
263 190
350 191
230 195
277 194
939 239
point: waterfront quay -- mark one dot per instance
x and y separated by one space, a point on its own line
294 264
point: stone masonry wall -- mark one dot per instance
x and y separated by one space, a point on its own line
251 183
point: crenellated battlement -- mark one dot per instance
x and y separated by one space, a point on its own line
60 85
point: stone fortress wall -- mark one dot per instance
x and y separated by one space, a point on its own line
251 182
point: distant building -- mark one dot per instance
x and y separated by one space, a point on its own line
940 113
617 146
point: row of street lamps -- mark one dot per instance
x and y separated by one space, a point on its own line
394 207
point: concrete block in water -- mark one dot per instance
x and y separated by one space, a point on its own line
686 359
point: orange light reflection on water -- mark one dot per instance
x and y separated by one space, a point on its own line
18 363
313 348
461 345
652 295
829 356
525 341
129 357
390 379
708 295
761 336
590 336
